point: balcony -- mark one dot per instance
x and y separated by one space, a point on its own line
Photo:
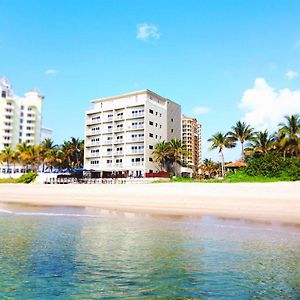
118 165
119 118
107 142
137 163
94 132
7 126
118 153
137 151
93 144
135 127
94 154
137 115
118 141
138 139
92 122
119 129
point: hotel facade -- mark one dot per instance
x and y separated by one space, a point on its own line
20 118
191 138
122 131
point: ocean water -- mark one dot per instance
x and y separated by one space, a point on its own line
59 253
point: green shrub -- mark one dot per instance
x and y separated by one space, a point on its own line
27 178
269 165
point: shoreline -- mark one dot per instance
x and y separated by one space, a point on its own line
263 202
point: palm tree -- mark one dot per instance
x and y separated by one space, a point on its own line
54 158
7 156
241 132
290 132
262 143
220 141
22 148
74 150
161 154
177 151
46 152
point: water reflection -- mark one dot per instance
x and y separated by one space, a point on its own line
48 257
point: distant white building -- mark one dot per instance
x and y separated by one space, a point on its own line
46 133
20 118
20 121
122 131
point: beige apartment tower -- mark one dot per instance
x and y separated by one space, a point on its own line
191 137
122 131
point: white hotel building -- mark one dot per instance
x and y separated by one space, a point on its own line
122 131
20 118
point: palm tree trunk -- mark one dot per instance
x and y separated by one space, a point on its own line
222 156
243 154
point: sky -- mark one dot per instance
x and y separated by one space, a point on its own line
223 61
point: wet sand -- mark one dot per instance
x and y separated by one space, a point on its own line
265 202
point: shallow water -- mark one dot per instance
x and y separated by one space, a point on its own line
59 253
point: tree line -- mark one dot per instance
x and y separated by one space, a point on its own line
285 141
48 155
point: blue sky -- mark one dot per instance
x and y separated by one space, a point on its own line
221 60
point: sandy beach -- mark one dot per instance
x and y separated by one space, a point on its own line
267 202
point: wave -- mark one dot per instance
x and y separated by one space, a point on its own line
47 214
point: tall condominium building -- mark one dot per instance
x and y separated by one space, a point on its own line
122 131
191 137
20 118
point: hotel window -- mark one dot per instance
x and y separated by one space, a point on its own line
151 135
172 120
150 159
156 113
22 114
156 136
22 107
150 147
150 111
156 124
172 130
109 161
151 123
160 115
3 94
159 126
109 150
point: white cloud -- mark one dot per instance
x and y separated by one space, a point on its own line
291 74
265 107
51 72
201 110
147 31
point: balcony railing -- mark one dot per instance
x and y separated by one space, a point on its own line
139 139
94 132
119 118
118 165
137 115
118 153
118 141
108 142
137 163
137 151
91 122
118 129
136 127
